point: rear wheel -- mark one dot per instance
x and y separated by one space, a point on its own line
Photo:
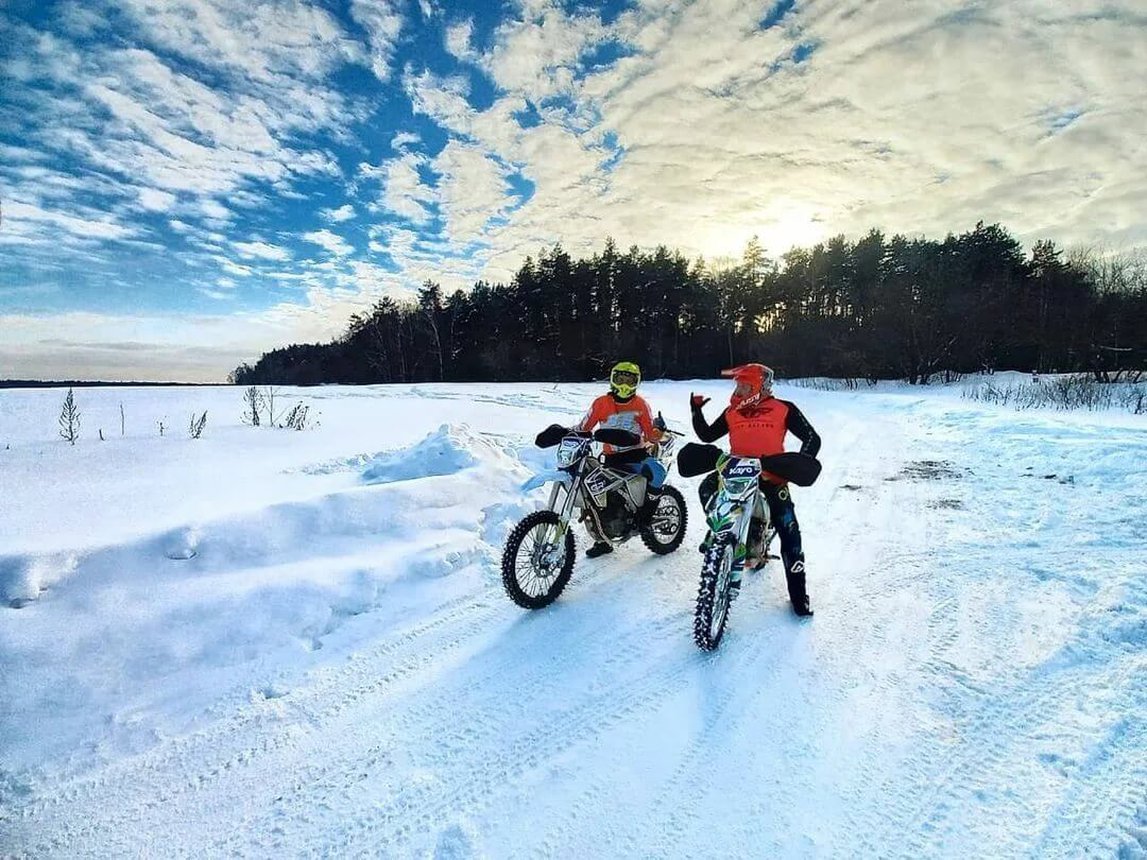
666 527
713 597
536 564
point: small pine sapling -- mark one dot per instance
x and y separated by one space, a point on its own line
70 419
195 429
252 404
297 418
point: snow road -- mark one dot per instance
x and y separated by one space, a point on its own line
297 643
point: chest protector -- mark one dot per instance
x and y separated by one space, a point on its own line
761 431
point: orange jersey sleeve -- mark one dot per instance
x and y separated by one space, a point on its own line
598 412
645 421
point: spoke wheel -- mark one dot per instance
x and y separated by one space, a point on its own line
665 530
536 564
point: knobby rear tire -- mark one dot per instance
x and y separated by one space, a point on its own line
649 537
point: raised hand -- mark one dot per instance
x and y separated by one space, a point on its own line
696 401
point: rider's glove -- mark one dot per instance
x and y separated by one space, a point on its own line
659 422
696 401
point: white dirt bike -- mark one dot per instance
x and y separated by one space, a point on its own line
539 556
740 529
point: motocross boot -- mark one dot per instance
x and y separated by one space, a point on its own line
795 575
648 507
598 549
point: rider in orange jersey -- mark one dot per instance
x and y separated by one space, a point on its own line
756 423
622 408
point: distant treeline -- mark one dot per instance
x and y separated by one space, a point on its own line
873 308
76 383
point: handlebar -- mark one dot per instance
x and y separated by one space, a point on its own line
554 434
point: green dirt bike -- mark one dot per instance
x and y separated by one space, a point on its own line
739 527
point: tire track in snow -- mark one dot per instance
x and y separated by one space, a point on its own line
1109 792
160 777
996 721
158 781
466 778
898 530
687 798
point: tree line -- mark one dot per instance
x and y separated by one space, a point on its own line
874 308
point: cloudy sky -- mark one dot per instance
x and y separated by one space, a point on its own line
186 183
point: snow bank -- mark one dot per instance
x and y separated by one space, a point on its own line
181 621
448 450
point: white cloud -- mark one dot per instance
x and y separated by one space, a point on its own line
261 251
169 133
404 193
398 242
154 200
233 268
472 190
458 40
214 209
404 139
343 213
264 41
442 99
724 135
383 24
332 242
536 54
27 221
15 154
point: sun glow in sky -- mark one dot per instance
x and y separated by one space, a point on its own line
186 183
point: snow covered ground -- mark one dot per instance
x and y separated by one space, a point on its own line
269 643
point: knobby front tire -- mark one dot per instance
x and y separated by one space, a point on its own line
525 584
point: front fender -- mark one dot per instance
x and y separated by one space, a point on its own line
543 478
726 517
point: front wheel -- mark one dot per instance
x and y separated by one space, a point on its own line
666 527
536 565
714 595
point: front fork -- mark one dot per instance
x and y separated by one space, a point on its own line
565 512
744 516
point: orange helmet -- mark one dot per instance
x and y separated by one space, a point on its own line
754 384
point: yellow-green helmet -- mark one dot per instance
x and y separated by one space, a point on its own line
624 379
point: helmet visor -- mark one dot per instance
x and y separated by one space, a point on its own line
624 377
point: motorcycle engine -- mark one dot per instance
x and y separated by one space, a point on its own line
615 518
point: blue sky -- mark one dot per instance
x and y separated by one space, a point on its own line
188 182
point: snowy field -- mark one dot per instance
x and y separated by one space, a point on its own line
271 643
